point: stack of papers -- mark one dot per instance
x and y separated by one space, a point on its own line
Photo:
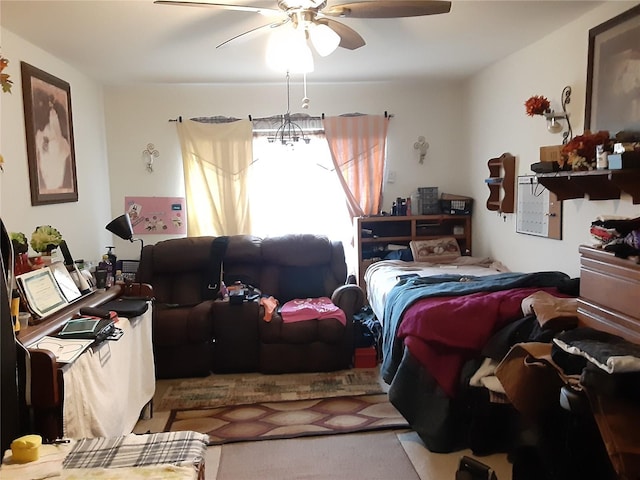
66 350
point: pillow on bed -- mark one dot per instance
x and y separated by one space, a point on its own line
437 250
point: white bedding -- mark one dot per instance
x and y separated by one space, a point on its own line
381 276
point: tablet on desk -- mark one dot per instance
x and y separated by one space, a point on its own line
81 325
91 328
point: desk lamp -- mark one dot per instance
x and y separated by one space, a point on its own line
121 226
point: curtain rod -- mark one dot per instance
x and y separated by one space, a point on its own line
179 119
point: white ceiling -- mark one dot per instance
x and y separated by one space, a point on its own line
137 41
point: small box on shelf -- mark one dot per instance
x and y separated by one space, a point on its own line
618 161
550 153
456 204
429 203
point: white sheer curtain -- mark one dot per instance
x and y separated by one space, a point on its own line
296 190
216 159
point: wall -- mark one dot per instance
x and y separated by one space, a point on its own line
80 223
497 123
136 116
465 125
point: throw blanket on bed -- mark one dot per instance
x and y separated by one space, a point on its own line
405 294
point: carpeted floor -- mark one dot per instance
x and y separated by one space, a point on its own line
223 390
273 420
350 456
371 456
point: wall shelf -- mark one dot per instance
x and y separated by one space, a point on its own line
501 183
596 184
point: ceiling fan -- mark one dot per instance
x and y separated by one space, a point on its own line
313 16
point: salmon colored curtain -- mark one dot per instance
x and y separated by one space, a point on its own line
216 159
358 149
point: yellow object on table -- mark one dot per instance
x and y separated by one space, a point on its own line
26 449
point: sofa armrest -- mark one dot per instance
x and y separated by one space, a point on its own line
144 290
350 298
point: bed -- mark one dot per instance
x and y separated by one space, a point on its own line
436 316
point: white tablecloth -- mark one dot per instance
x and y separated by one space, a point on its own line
107 387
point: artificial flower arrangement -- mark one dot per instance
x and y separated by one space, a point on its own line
6 84
537 105
580 152
4 77
19 242
45 238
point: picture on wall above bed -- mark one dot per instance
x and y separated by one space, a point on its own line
613 74
49 132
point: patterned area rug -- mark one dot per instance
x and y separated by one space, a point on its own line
234 389
271 420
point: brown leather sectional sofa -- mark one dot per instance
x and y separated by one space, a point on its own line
193 336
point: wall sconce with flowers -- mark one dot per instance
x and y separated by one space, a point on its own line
540 105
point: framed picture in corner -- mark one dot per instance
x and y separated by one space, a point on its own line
49 132
613 74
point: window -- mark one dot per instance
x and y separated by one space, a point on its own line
295 190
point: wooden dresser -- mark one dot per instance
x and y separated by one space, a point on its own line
609 293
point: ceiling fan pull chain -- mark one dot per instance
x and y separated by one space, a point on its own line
305 99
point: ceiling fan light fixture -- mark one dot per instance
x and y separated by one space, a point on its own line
323 38
287 51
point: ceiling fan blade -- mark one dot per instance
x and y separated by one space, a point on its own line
224 6
271 25
388 9
349 38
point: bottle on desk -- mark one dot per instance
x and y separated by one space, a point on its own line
106 265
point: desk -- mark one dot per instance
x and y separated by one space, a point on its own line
106 388
103 392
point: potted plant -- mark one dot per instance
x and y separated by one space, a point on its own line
45 239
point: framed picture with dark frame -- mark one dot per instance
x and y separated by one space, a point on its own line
49 132
613 74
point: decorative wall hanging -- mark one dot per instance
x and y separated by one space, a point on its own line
422 146
49 132
157 215
149 155
613 74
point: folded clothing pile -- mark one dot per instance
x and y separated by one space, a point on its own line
618 235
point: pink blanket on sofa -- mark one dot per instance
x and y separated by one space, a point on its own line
442 333
311 308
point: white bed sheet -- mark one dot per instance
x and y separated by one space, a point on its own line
381 277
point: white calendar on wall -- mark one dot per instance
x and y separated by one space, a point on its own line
539 211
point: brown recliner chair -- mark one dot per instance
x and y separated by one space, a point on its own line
193 336
306 266
182 326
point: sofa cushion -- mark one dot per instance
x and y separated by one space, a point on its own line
327 330
300 282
